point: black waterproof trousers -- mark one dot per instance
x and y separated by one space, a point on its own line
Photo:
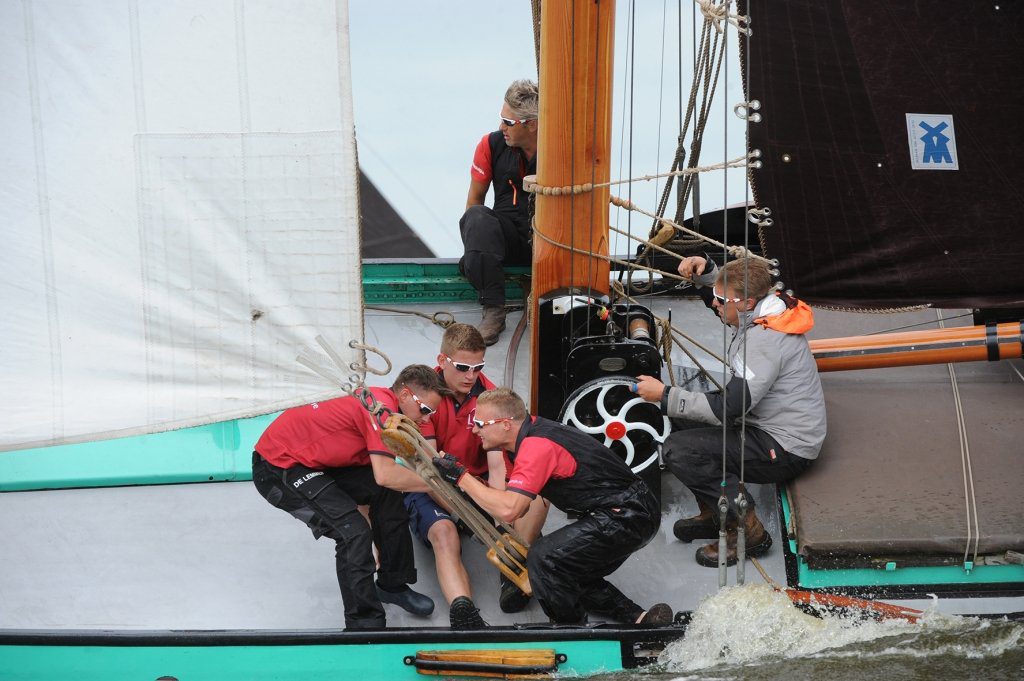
326 501
568 567
491 240
694 456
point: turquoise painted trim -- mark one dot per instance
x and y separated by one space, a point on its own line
215 452
904 576
809 578
366 662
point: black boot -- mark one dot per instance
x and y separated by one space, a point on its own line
511 598
464 615
411 601
700 526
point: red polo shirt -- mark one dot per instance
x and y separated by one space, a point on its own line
538 460
453 426
481 168
331 434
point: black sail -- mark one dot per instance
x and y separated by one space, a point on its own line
855 225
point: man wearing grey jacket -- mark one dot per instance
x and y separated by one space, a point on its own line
773 385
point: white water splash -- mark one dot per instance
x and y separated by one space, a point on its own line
744 624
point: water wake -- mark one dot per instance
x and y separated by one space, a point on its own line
755 623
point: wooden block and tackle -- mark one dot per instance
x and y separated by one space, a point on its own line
504 547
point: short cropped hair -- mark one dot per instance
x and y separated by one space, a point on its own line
748 277
462 337
421 378
523 98
505 402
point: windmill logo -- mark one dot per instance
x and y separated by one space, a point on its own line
932 142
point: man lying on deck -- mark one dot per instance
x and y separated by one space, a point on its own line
778 390
320 460
460 365
619 514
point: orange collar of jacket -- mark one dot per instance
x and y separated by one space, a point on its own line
796 320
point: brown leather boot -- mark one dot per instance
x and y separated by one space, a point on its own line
700 526
492 323
758 542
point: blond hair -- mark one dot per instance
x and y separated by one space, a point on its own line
462 337
748 277
505 401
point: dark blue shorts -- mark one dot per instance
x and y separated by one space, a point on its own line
423 513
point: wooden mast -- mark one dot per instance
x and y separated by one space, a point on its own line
573 147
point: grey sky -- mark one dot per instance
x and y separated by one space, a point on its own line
428 78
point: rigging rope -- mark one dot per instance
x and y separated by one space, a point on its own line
716 14
970 500
535 8
735 251
532 186
442 318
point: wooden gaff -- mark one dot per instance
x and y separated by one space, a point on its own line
937 346
573 147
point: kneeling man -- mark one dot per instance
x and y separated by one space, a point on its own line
576 473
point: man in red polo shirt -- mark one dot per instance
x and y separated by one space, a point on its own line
460 364
618 513
319 461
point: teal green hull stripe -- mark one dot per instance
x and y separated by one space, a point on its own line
810 578
216 452
366 662
947 574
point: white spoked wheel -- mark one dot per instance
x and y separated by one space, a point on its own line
627 424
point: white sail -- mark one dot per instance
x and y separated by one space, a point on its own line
179 212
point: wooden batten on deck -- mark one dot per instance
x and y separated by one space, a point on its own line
574 147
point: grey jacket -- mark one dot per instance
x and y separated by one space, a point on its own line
779 382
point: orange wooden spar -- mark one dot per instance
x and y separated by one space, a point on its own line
573 148
839 601
938 346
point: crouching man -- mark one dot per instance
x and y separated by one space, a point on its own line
319 461
619 514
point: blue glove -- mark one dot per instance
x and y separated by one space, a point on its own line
449 468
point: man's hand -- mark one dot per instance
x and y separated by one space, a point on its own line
692 267
649 388
449 468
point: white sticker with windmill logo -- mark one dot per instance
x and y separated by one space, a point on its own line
932 141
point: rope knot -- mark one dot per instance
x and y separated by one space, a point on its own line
717 13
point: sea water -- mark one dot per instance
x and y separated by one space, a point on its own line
755 632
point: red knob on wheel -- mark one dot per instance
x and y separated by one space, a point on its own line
616 430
